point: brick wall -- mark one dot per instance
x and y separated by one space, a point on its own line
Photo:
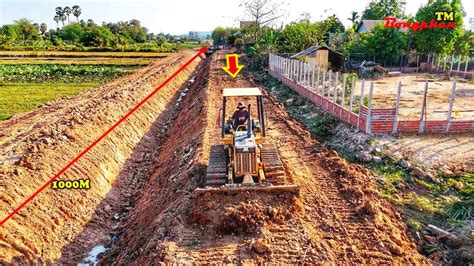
382 119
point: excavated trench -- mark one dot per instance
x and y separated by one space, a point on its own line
143 209
60 226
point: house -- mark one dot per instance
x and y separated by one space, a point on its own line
367 25
321 56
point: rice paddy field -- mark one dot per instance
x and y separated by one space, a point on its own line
29 79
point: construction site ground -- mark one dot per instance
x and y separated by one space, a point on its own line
141 206
411 98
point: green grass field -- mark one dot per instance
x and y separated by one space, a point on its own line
117 61
23 97
29 79
82 54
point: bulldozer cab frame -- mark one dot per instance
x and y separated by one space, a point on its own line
244 92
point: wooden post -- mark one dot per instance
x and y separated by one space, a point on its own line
368 128
360 102
351 97
312 82
344 82
335 87
397 108
451 102
421 129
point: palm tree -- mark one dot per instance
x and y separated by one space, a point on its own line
67 12
60 13
43 28
63 18
57 18
90 23
354 17
76 11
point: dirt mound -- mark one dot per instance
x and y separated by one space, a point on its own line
241 214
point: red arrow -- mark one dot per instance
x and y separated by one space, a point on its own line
233 68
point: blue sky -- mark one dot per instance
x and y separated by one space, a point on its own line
182 16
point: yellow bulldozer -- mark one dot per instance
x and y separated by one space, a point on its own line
244 161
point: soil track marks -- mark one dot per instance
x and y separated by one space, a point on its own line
60 225
338 217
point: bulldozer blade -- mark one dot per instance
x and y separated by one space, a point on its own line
237 188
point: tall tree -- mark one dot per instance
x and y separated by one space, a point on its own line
67 12
43 28
354 17
26 30
60 14
384 8
76 11
438 40
385 43
57 18
262 13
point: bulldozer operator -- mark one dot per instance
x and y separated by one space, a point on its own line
240 116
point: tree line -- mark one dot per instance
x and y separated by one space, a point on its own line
81 35
258 37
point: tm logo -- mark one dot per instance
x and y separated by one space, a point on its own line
444 16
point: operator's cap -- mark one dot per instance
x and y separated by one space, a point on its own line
240 105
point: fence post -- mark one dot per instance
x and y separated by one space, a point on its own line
401 62
465 68
459 64
417 62
343 94
336 81
312 81
439 63
360 103
351 100
322 83
452 62
421 129
451 102
397 108
368 128
329 89
308 67
329 83
445 61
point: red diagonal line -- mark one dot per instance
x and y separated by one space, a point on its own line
17 209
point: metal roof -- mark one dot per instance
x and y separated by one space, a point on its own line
234 92
311 50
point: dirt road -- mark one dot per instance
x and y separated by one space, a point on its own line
338 216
